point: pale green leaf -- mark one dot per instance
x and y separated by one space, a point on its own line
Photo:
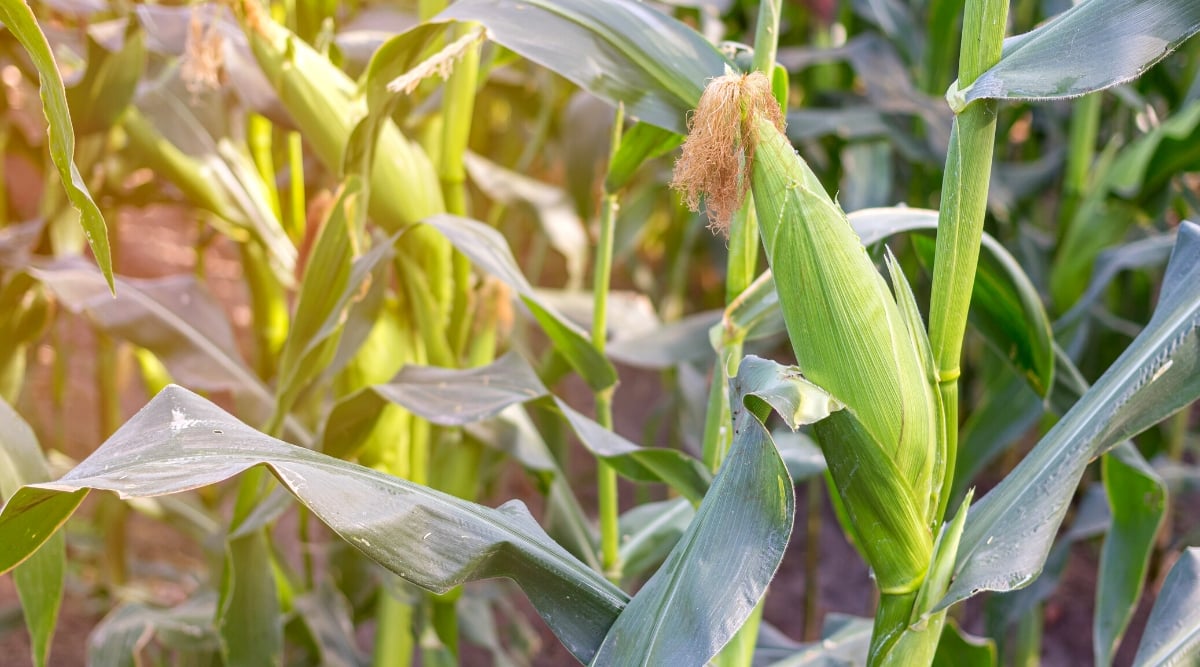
18 18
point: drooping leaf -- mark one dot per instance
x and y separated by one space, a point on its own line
720 567
1010 531
1092 46
649 532
959 648
39 580
1007 308
1172 634
488 250
621 51
175 317
844 642
1137 498
561 225
454 397
18 18
180 441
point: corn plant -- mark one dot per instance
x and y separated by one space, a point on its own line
388 375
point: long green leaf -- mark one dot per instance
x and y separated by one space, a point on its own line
1094 45
1010 531
722 564
334 281
39 580
1137 497
454 397
175 317
619 50
1007 308
488 250
180 441
1173 631
18 18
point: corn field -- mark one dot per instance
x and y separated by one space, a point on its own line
619 332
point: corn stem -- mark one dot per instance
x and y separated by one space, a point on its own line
963 206
606 477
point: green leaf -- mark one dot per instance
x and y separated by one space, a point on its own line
180 441
620 50
120 637
39 580
1137 497
1092 46
844 642
561 225
454 397
176 318
1010 531
249 618
649 532
1172 634
333 281
108 85
1006 307
18 18
722 564
488 250
1147 252
959 649
640 143
669 345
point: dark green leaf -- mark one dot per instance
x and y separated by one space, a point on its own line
1173 631
1137 497
1092 46
721 565
1007 308
180 441
20 21
1010 531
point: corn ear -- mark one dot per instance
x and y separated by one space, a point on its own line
851 339
849 335
323 102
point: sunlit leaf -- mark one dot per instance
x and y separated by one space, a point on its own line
621 50
18 18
